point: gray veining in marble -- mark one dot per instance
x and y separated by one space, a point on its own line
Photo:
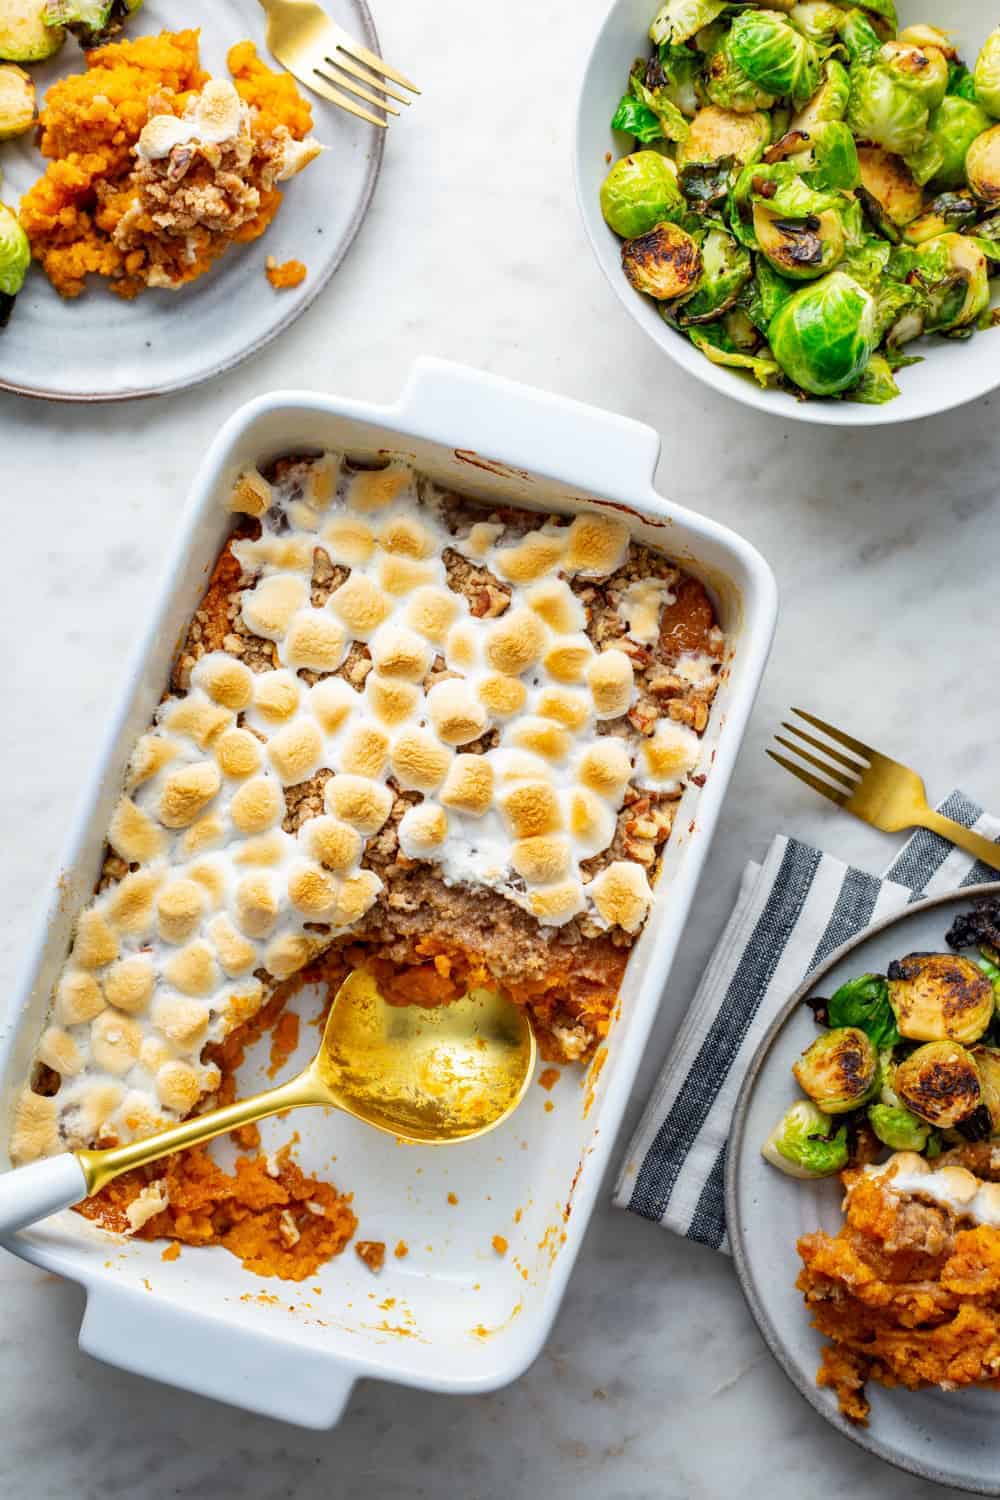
655 1383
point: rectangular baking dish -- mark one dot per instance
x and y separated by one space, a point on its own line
453 1314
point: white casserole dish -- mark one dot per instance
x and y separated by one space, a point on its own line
454 1315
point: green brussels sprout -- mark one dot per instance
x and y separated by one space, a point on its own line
884 112
679 70
728 86
829 101
982 166
987 74
897 1127
951 130
665 262
834 157
634 118
24 36
864 1003
775 55
866 262
17 101
739 328
719 347
882 14
861 41
716 133
678 20
15 258
901 311
640 192
939 997
939 1082
818 20
877 384
946 211
823 336
725 272
92 22
953 272
922 69
840 1070
648 86
801 1144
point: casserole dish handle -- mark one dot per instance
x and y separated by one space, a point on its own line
597 451
248 1367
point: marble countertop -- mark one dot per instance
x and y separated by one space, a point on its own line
655 1381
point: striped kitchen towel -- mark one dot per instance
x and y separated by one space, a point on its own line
791 912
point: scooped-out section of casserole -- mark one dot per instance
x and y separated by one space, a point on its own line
408 730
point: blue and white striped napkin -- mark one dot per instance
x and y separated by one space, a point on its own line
791 912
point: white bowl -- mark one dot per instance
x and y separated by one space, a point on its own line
951 374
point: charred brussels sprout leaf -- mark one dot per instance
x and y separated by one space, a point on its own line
650 88
885 111
939 997
897 1127
678 20
24 36
728 86
987 75
15 258
725 272
665 263
940 1083
823 336
717 345
946 211
705 184
877 385
801 1144
839 1071
17 101
633 118
92 22
982 166
774 55
864 1003
640 192
940 158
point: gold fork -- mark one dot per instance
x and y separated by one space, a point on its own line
325 57
874 788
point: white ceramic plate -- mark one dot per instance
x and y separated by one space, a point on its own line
948 1437
98 348
952 373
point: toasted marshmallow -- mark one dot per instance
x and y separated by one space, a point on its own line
115 1040
256 906
199 719
468 786
251 495
531 809
567 707
542 860
130 902
133 835
515 642
129 983
502 696
360 605
95 944
276 697
542 737
187 792
461 648
432 612
419 760
364 751
311 890
401 576
392 700
554 905
331 703
422 830
595 546
179 908
336 845
398 652
151 754
295 752
315 640
568 658
363 804
181 1019
555 602
456 713
289 953
178 1086
606 768
239 753
235 953
36 1131
531 558
257 806
375 489
668 757
193 970
407 537
612 682
591 822
268 610
348 540
58 1050
355 896
622 895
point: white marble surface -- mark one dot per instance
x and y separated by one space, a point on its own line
655 1382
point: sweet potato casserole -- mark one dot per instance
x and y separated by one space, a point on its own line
405 730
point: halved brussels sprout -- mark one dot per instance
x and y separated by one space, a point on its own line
987 74
775 55
24 36
826 155
946 211
720 348
639 192
819 20
92 22
922 69
829 101
15 258
890 196
665 262
861 41
897 1127
988 1063
725 272
648 85
901 312
953 272
839 1071
728 86
801 1144
940 158
939 997
940 1083
716 132
678 20
679 69
982 166
864 1002
801 248
923 35
885 112
17 101
823 336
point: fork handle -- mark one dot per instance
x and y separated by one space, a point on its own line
975 844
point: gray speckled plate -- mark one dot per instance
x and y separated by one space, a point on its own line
948 1437
98 348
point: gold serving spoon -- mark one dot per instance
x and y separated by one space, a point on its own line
433 1077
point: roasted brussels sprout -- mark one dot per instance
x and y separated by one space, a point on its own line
801 1144
716 133
885 111
799 248
775 55
678 20
92 22
728 86
24 36
15 258
639 192
953 273
720 348
940 1083
17 101
861 41
665 262
864 1003
890 196
839 1071
940 158
946 211
819 20
823 336
987 74
922 69
923 35
648 85
826 155
987 1061
829 102
725 272
939 997
982 166
897 1127
678 70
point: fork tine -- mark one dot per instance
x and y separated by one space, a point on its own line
336 97
355 50
837 734
844 760
356 89
810 780
821 765
347 66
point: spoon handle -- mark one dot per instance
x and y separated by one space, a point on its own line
43 1188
